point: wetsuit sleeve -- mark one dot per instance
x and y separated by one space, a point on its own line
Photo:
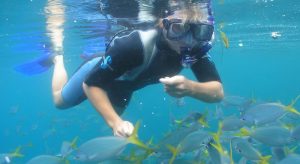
205 70
124 54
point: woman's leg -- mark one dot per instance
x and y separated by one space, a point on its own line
59 79
70 93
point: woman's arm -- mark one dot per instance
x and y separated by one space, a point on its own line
101 102
179 86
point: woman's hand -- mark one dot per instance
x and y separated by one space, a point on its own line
123 129
179 86
176 86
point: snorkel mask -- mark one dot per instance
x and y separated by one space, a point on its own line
201 32
177 29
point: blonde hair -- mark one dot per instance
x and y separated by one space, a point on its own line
189 12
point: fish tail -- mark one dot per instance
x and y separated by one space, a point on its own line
134 137
174 152
265 159
224 39
136 141
203 122
243 132
293 149
17 153
66 161
292 110
288 150
74 142
216 137
220 126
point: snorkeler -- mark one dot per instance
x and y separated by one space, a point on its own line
134 60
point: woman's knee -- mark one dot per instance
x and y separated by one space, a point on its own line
60 105
59 102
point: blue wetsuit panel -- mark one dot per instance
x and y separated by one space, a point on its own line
72 92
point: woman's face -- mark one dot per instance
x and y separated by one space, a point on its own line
187 41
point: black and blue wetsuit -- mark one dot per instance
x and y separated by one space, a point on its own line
132 62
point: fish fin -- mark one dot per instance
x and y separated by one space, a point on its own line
178 122
74 142
243 132
290 108
216 136
219 132
150 142
230 155
68 147
218 147
288 126
202 120
295 101
253 99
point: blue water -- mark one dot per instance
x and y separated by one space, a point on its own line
255 65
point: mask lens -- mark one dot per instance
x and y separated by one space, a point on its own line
178 30
203 32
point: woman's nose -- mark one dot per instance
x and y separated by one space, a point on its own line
189 39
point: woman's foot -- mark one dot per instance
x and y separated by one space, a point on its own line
58 59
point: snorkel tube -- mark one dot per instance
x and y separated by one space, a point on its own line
192 55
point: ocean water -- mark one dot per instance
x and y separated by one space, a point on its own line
256 65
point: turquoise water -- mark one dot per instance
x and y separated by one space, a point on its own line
255 65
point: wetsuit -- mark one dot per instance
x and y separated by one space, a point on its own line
132 62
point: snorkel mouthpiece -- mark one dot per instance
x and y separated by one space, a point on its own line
187 58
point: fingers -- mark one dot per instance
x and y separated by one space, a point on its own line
118 134
172 81
124 129
128 128
165 80
174 86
